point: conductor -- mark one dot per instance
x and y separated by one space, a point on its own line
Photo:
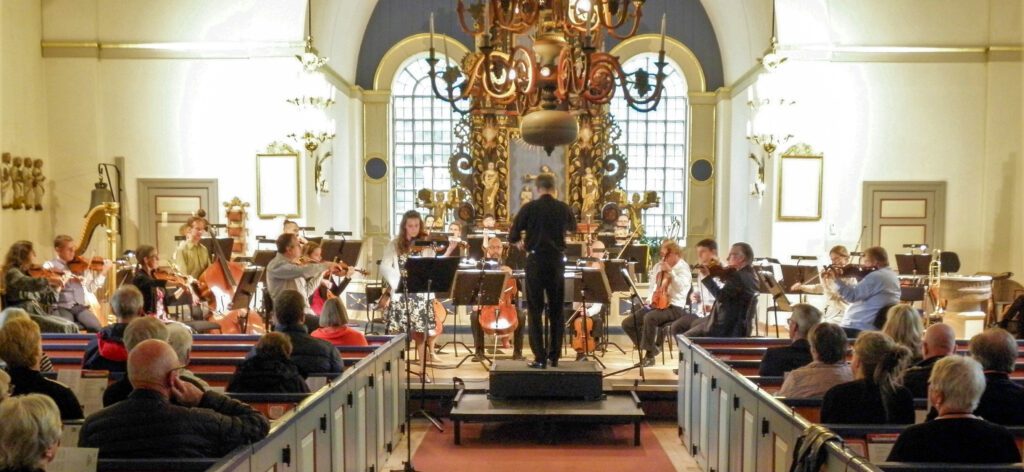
545 220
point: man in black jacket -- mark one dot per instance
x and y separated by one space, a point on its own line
312 355
734 300
779 360
1003 400
939 342
147 425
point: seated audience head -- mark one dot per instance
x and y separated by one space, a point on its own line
939 341
740 255
290 308
839 255
143 328
5 385
995 349
828 343
881 316
179 337
274 345
803 318
904 325
334 314
29 433
707 249
127 303
875 256
153 365
879 359
20 344
956 385
12 313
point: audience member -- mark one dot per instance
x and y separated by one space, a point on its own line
29 433
829 368
313 356
779 360
877 396
147 425
140 329
45 364
271 370
107 351
904 325
20 348
956 436
1003 401
179 336
939 342
334 326
5 385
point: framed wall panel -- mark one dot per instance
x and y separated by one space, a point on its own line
277 185
800 188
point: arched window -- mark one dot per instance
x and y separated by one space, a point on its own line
655 145
421 135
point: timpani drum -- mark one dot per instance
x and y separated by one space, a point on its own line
966 300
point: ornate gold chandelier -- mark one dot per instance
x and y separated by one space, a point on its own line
541 62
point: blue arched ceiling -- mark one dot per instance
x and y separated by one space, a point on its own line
393 20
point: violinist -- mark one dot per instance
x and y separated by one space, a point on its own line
671 279
494 251
835 306
595 311
701 300
192 258
879 288
413 309
455 242
71 301
286 272
291 227
145 279
30 292
736 299
329 286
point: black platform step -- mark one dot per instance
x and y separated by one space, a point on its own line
569 381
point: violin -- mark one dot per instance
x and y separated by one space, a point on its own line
55 277
856 271
169 275
79 265
659 299
716 269
583 333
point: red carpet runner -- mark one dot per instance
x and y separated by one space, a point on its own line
518 448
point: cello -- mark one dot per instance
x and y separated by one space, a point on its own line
501 319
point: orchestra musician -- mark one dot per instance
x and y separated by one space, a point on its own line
413 309
643 327
455 239
29 293
291 227
312 253
546 221
287 272
595 311
192 258
493 256
153 289
71 301
835 306
736 298
879 288
700 298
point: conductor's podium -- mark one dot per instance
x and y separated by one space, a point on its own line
513 380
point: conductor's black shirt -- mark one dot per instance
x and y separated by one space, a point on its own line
545 220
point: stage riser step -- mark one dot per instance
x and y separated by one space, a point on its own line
569 381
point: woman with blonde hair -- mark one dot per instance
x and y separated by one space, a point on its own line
29 434
9 314
876 395
904 325
334 326
21 349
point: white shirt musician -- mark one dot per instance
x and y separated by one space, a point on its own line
671 281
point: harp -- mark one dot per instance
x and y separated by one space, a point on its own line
105 215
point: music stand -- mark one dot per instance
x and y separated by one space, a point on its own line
478 287
319 240
476 246
913 264
613 269
245 294
636 253
425 275
225 245
594 288
573 251
769 286
607 238
792 274
262 258
633 297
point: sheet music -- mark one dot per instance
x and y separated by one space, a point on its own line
74 459
316 383
69 434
